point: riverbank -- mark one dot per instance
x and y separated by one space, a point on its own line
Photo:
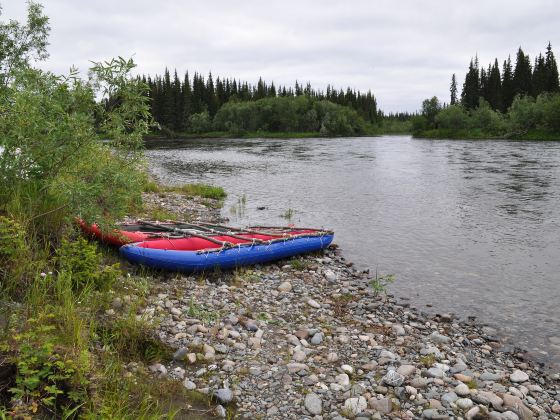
253 135
312 337
449 134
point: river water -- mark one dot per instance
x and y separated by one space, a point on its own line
468 227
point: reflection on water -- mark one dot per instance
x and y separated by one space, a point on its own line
470 227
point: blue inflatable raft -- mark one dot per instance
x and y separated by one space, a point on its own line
197 252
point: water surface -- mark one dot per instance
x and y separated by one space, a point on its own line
469 227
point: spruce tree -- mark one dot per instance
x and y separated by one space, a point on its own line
552 81
508 89
453 90
539 79
471 87
522 74
494 87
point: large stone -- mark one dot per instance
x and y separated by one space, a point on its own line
439 338
464 403
518 376
383 406
488 398
317 338
342 379
516 405
449 397
285 287
355 406
313 403
435 372
224 395
180 354
313 303
462 390
393 378
330 276
406 370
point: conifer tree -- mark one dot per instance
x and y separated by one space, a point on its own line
539 78
494 87
508 89
471 87
552 81
453 90
522 74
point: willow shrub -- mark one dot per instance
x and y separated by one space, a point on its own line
53 167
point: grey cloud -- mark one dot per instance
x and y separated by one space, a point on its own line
403 51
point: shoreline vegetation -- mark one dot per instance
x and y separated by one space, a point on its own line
522 102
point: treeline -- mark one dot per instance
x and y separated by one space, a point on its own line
519 102
192 105
527 117
499 88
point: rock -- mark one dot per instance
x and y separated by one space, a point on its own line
158 369
488 398
419 383
191 358
355 405
518 376
516 405
406 370
299 356
430 413
220 411
285 287
439 338
509 415
449 397
383 406
473 413
313 403
317 338
489 376
398 329
180 354
464 403
224 395
332 357
435 372
296 367
313 303
342 379
330 276
302 334
347 369
190 385
462 390
393 378
556 407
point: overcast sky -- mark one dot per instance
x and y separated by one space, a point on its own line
404 51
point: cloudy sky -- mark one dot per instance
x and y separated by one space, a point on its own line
404 51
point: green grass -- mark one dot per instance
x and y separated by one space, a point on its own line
190 190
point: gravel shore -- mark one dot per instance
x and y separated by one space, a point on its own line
310 338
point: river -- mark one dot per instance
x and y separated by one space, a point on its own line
468 227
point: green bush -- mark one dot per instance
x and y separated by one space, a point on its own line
200 123
486 119
522 113
48 381
82 261
453 117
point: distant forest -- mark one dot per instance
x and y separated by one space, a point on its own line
500 88
521 101
202 104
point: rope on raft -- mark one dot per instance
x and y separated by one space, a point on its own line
224 245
